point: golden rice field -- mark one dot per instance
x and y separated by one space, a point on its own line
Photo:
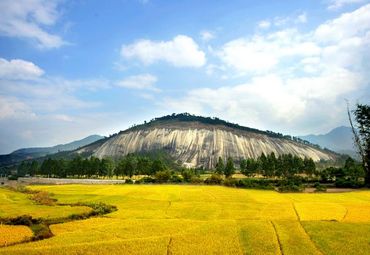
13 234
184 219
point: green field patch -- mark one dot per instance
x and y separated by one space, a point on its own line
258 237
339 238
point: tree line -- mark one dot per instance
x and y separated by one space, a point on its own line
284 166
92 167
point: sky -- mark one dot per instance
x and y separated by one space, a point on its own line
69 69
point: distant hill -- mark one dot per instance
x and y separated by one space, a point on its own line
36 152
198 141
339 140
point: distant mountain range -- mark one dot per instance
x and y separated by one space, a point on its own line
339 140
36 152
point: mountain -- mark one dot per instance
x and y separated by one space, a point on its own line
339 139
36 152
198 141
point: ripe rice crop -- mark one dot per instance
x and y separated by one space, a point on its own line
13 234
185 219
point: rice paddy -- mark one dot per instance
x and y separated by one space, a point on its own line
185 219
13 234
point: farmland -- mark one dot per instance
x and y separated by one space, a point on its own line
185 219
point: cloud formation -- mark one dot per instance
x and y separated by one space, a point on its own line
142 82
337 4
181 51
295 80
28 19
18 69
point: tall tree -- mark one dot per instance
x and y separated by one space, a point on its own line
106 167
229 168
157 166
309 166
362 136
34 168
220 167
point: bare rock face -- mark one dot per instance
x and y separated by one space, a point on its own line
197 144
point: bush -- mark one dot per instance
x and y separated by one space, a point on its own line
196 180
146 180
214 179
78 216
291 184
25 220
230 182
43 198
162 176
187 174
290 188
319 187
176 179
129 181
256 184
99 208
41 231
347 183
12 178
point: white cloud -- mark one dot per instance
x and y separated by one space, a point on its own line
18 69
294 81
356 23
48 95
302 18
28 19
337 4
63 117
207 35
263 53
182 51
264 24
273 102
142 81
11 107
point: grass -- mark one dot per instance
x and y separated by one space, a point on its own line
185 219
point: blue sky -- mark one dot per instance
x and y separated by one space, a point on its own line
69 69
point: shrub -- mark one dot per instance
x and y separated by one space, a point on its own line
176 179
214 179
196 180
319 187
162 176
347 183
25 220
12 178
291 184
40 231
43 198
146 180
256 184
230 182
100 208
187 174
129 181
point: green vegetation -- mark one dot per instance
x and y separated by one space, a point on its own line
286 173
362 136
